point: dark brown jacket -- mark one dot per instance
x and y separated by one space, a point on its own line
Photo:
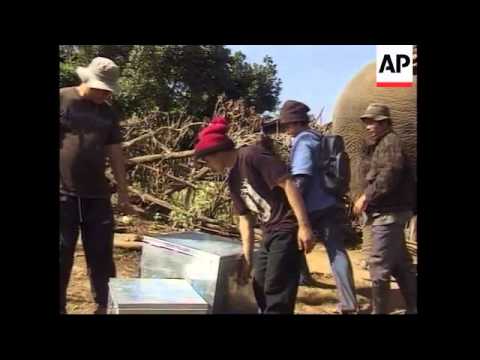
388 181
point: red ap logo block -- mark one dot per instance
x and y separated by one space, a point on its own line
394 65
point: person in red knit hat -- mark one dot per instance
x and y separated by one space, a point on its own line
261 186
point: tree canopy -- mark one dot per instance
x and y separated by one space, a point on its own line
178 77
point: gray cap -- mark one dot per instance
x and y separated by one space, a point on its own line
101 73
377 112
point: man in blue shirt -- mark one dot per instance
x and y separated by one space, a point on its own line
325 211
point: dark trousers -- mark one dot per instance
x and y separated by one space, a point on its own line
389 257
277 268
94 218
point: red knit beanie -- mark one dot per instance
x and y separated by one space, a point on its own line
213 138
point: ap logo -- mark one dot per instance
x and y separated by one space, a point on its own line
394 65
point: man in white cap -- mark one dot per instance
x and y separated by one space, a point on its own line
89 133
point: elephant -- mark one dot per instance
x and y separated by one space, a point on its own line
352 102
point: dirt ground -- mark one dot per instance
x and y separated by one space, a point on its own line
319 299
322 298
79 296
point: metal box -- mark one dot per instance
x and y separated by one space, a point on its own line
154 296
208 262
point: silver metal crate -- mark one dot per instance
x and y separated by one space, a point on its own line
208 262
154 296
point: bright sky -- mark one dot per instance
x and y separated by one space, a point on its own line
312 74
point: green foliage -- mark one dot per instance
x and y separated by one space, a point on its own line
174 77
257 84
210 199
68 77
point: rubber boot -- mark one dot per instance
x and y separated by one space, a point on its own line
380 293
407 283
101 310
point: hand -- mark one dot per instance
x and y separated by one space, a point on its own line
306 239
360 205
244 271
124 203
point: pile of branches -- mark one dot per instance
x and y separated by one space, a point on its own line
168 186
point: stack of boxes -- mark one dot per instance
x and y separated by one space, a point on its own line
176 267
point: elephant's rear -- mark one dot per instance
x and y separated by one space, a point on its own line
357 95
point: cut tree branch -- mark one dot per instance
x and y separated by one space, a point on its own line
201 173
173 155
129 143
184 182
152 199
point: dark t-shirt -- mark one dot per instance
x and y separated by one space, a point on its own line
85 129
253 186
